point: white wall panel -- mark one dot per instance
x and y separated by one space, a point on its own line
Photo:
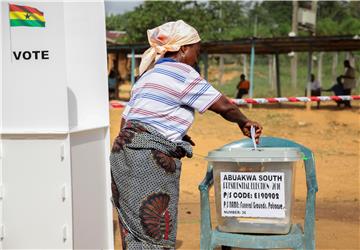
54 134
34 96
86 64
1 69
37 193
89 160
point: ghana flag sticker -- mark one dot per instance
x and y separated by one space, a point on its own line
25 16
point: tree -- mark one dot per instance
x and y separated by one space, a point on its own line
209 18
231 20
274 18
338 18
115 22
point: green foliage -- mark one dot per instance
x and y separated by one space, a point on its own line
273 17
338 18
213 20
149 15
115 22
231 20
326 26
350 25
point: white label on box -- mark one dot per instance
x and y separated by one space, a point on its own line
250 194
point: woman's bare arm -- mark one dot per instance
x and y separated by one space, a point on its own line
231 112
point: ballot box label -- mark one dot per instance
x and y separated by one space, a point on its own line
253 194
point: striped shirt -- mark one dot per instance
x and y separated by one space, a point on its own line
166 97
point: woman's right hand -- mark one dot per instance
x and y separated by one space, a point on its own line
188 139
246 128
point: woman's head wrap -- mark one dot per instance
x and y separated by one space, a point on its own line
167 37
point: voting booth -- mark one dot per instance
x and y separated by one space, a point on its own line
54 126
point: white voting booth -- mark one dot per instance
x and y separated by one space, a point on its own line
54 129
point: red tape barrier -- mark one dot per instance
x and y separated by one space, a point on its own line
121 104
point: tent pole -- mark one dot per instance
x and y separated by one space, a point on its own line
252 61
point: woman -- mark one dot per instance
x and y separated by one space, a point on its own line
145 159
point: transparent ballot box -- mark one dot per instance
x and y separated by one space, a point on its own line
254 188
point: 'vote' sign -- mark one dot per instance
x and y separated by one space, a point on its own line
31 55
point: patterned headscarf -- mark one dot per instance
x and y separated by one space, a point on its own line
167 37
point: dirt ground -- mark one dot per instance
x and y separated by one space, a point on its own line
334 137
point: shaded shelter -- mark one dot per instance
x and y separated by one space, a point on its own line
252 46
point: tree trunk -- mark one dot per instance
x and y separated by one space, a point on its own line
278 85
334 66
124 66
221 69
274 72
294 71
347 55
319 76
111 57
352 59
270 71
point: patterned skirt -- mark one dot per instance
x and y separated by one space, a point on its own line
145 169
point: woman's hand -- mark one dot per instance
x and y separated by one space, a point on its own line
188 139
246 126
